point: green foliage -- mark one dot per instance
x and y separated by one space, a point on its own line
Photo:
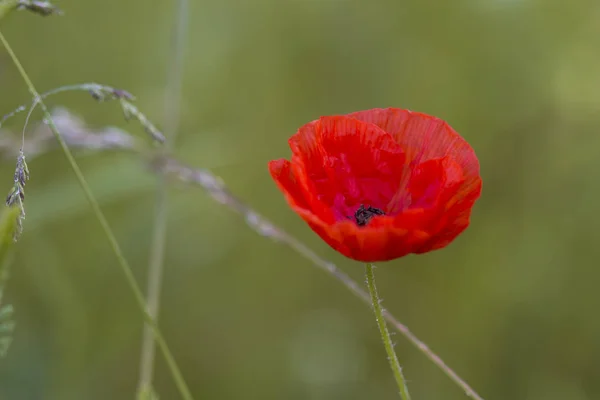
8 225
7 326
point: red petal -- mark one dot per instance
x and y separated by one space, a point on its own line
346 162
455 219
433 182
281 171
423 137
378 241
441 202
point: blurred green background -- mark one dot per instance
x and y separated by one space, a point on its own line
512 305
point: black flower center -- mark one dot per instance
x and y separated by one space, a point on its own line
363 215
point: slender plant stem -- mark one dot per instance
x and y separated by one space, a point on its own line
359 292
155 275
385 334
159 234
127 271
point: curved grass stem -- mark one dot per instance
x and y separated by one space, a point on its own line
157 252
385 334
127 271
219 192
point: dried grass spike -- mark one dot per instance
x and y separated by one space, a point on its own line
16 196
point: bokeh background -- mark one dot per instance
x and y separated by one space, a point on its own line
512 305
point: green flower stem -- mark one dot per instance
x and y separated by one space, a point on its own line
385 334
162 344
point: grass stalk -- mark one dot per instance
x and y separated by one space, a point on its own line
122 262
159 234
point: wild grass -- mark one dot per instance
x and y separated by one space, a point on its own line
154 151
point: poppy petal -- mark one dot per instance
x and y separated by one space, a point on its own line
455 219
347 162
423 137
281 171
379 241
434 181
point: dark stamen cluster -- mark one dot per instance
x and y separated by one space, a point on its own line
363 215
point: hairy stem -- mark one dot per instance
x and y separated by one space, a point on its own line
385 334
353 286
159 234
127 271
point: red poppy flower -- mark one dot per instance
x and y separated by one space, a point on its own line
380 184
